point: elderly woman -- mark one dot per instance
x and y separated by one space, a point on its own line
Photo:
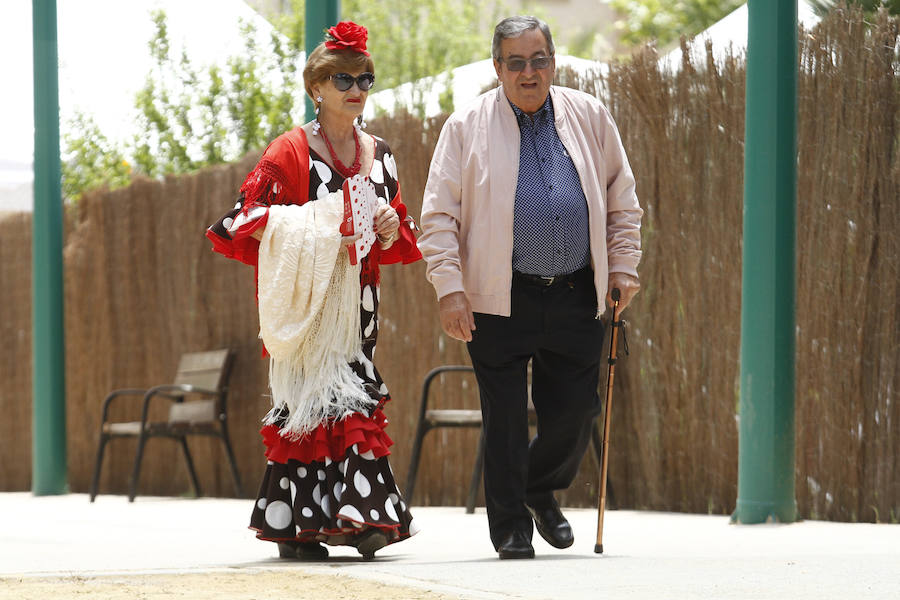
327 478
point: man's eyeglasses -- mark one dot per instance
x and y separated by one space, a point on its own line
518 64
345 81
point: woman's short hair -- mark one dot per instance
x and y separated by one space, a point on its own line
323 63
512 27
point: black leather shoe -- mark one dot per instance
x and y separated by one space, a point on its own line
552 525
516 545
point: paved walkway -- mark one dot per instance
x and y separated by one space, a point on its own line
647 554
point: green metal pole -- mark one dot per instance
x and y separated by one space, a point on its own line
48 464
766 459
320 15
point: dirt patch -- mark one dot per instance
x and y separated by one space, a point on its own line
209 586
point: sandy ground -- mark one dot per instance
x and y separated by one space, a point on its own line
263 584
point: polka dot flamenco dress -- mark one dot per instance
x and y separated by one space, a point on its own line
335 484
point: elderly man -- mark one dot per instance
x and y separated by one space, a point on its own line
529 217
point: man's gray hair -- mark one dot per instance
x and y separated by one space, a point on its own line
512 27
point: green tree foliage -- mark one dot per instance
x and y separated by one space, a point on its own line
664 21
190 116
91 160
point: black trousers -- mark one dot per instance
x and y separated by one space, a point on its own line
556 328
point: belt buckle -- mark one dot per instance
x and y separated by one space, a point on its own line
547 281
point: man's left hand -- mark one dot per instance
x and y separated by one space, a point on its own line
628 286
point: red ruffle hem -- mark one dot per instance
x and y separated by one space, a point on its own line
330 440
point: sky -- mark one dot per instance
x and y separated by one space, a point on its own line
103 62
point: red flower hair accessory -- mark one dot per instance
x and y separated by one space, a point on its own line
347 35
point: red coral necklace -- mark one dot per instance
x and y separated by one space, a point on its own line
338 165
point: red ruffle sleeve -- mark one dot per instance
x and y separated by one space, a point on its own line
280 177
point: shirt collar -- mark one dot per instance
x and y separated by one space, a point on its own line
540 116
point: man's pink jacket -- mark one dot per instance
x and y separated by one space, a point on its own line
467 208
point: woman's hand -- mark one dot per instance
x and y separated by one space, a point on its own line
387 225
348 240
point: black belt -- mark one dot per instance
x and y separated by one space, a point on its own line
542 281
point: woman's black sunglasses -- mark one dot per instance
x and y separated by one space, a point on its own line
344 81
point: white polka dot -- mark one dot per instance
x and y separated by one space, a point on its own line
301 472
328 461
293 493
322 170
368 455
390 165
237 206
369 327
368 301
227 222
362 484
317 494
278 515
338 490
402 505
374 514
350 512
413 527
284 483
261 503
394 498
343 467
390 511
321 475
321 191
306 512
377 172
383 390
326 506
364 361
355 449
380 478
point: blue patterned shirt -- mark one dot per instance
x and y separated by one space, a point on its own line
550 225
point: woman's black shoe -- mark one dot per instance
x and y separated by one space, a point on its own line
371 542
302 550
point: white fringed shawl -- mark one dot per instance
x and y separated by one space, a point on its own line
309 315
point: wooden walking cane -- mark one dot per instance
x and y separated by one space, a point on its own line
604 462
